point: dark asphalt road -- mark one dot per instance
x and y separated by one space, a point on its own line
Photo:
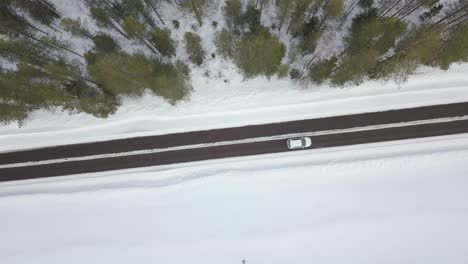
216 152
229 134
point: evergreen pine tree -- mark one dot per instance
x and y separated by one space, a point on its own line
194 48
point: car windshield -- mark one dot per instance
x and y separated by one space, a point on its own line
296 143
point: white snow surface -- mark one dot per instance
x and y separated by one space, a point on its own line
395 202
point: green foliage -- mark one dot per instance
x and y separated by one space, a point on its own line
43 79
233 14
75 28
313 25
297 17
104 43
19 49
42 11
107 19
355 67
125 74
367 15
101 17
317 4
256 51
161 38
418 47
260 54
284 9
122 74
298 13
310 35
61 71
101 106
456 47
333 8
369 39
251 18
173 81
10 22
262 3
21 87
134 7
194 48
133 27
138 10
369 32
196 6
13 113
90 101
226 43
29 88
322 70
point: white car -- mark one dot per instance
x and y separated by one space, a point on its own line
299 143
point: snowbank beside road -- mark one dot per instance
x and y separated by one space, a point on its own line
399 202
215 104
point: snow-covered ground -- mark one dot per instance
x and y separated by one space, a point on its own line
400 202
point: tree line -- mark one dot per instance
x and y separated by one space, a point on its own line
382 45
47 72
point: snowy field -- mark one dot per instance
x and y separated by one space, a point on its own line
400 202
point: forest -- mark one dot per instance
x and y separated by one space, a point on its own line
49 60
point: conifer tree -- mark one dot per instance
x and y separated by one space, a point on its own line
75 27
226 43
195 6
233 14
416 48
259 54
194 48
162 39
455 48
